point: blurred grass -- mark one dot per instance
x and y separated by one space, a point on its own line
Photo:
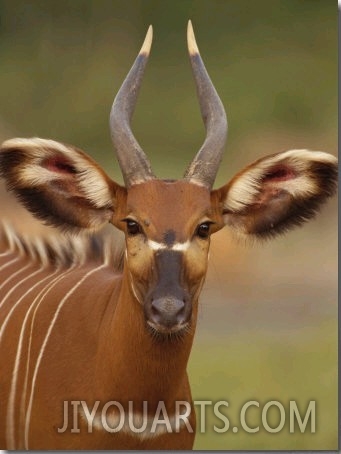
273 62
268 328
268 368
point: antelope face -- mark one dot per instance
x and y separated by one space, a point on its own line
168 226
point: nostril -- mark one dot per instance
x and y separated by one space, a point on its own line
155 308
180 308
183 313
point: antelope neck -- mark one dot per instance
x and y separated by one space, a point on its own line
128 344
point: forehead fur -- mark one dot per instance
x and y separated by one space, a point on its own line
163 205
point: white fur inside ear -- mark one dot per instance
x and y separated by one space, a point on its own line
91 180
35 175
247 185
95 188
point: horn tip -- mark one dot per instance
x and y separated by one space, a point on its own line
191 42
147 44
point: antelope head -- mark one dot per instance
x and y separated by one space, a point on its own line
167 224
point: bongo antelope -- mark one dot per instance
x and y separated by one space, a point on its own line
85 332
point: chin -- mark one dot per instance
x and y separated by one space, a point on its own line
165 333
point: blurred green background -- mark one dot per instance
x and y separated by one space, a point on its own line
268 318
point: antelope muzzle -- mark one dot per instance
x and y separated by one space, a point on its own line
168 306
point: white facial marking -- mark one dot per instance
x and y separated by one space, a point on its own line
176 246
181 246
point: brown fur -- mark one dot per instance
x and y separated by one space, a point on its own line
95 342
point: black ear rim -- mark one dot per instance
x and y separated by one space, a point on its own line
9 161
39 205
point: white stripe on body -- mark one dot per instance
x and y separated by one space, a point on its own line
39 299
11 400
6 265
6 281
53 321
8 252
4 324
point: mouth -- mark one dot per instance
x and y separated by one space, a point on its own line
162 332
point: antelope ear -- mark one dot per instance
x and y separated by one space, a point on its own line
58 183
278 192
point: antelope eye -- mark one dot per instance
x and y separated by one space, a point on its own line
133 227
203 230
